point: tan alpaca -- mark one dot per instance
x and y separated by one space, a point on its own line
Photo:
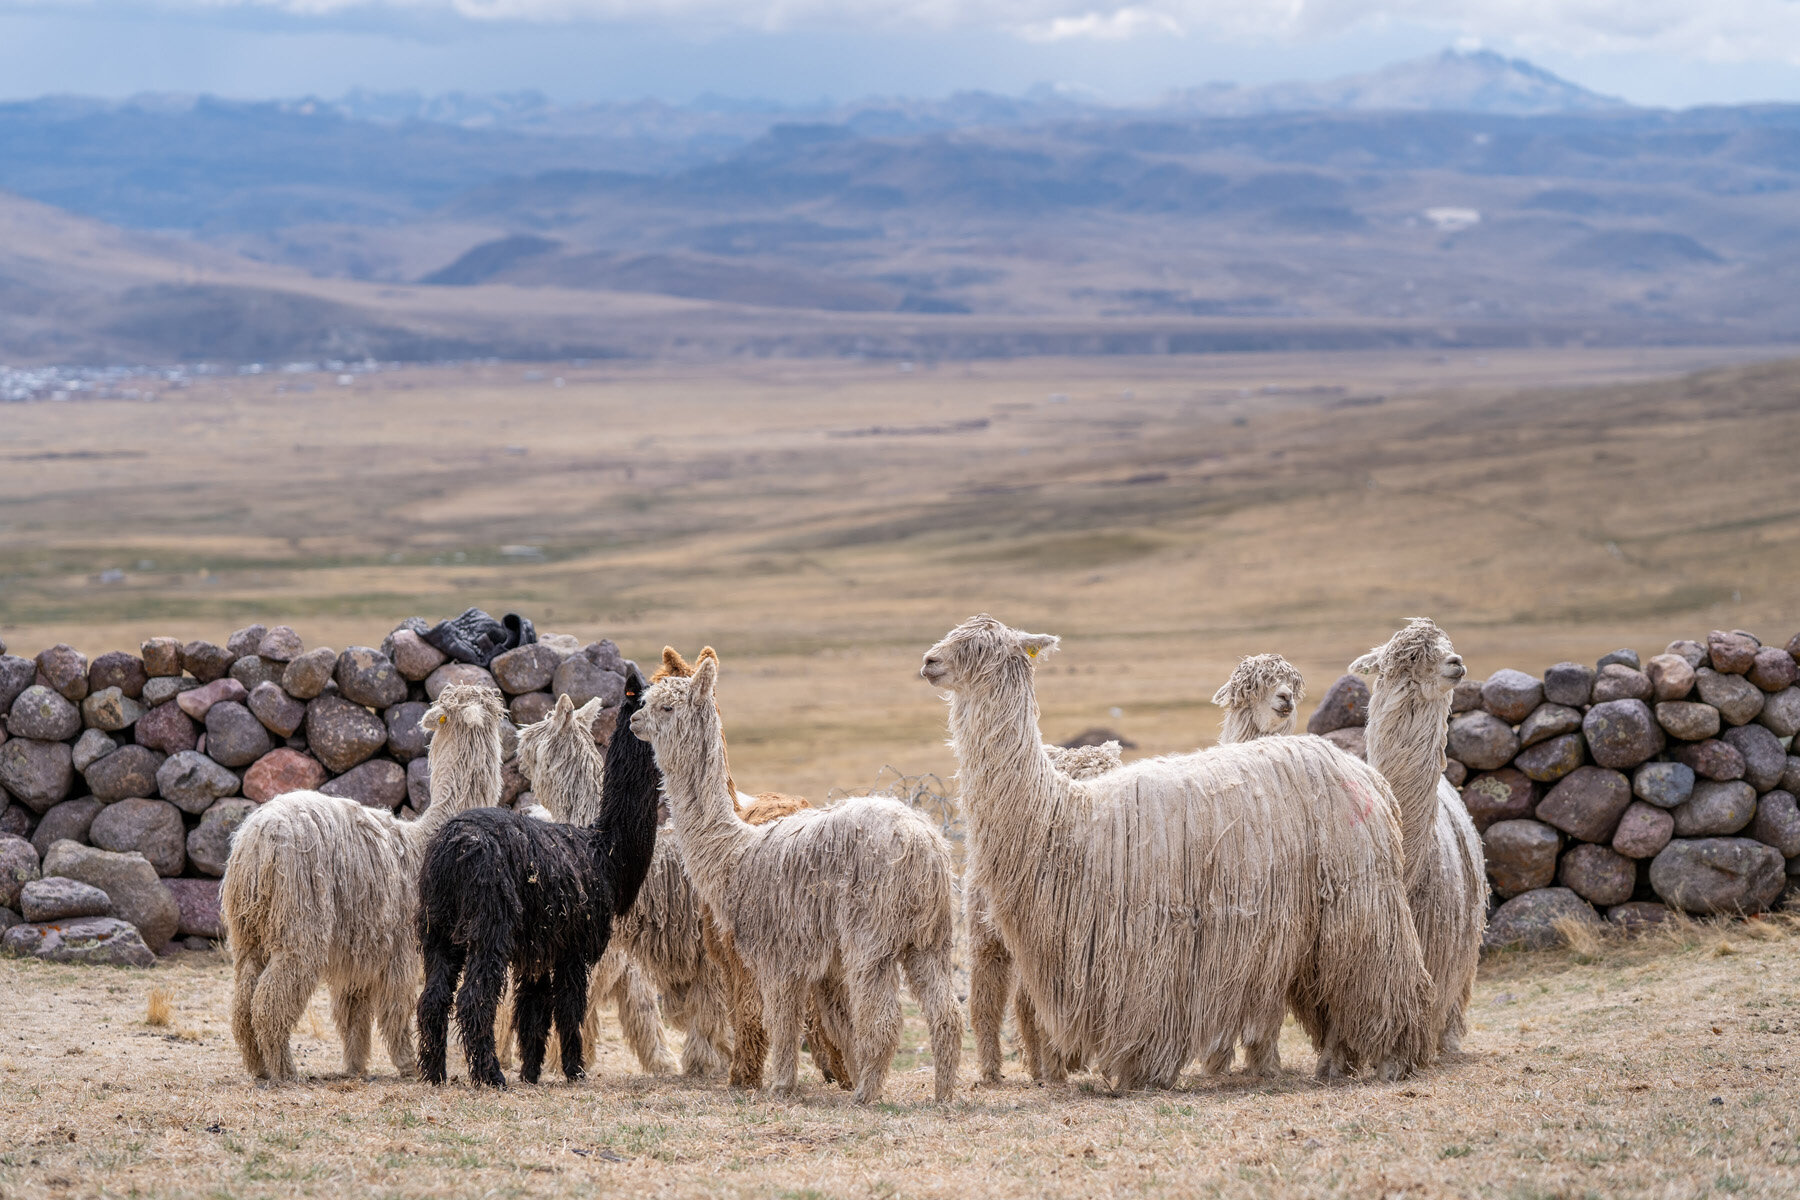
1416 672
1156 910
323 888
844 897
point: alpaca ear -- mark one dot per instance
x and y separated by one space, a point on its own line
706 673
673 665
564 705
1035 644
588 713
1368 664
707 652
1222 697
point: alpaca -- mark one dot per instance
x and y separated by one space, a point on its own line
500 889
843 898
991 979
321 887
1261 699
1156 910
1416 672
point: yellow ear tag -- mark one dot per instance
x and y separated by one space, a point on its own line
443 719
1031 652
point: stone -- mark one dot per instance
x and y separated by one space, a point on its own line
168 729
1711 759
451 673
528 669
1350 739
151 827
1549 761
234 737
1622 733
1478 739
279 712
406 736
1569 683
1664 784
205 661
1718 875
1737 699
245 641
603 727
1780 714
342 734
1693 652
1731 653
1521 855
581 678
378 783
198 902
281 644
1623 658
70 819
92 746
18 867
1455 772
1671 676
198 702
1764 756
605 655
307 675
38 774
413 656
281 771
101 941
1773 669
161 657
58 899
365 676
136 890
111 710
1536 920
1345 704
209 843
1503 795
1618 682
163 688
418 784
1511 695
1688 720
65 669
530 708
1547 721
1587 803
191 781
1643 831
118 669
129 771
1716 809
1790 778
513 783
1598 875
1637 916
43 713
253 671
15 819
16 674
1466 696
560 644
1777 823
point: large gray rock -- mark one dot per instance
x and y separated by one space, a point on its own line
378 783
1718 875
1716 809
59 899
1643 831
64 669
127 772
1694 653
234 737
1587 803
1764 756
1790 778
209 845
1671 676
418 784
342 734
1781 713
1637 916
1619 682
592 673
1624 658
532 707
1466 696
1536 920
1598 875
1549 761
455 672
16 674
1511 695
192 781
198 902
111 710
167 729
413 656
1521 855
153 828
70 819
161 657
18 867
98 941
525 669
1731 653
119 669
41 712
1774 669
92 746
163 688
137 892
1503 795
1351 739
1666 785
406 737
245 641
1478 739
281 644
16 819
197 702
1547 721
253 671
205 661
279 712
365 676
307 675
38 774
1777 823
1688 720
1711 759
1622 733
1737 699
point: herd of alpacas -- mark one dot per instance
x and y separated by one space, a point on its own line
1136 917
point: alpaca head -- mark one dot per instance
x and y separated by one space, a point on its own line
563 733
980 651
465 706
678 713
1420 654
1267 690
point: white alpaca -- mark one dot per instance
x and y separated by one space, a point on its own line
323 888
1416 672
1157 910
843 898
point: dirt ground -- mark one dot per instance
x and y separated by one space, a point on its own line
1662 1068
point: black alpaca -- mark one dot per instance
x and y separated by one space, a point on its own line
500 889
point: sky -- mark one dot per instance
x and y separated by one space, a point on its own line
1672 53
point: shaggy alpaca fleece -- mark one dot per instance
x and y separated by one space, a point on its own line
321 887
844 898
1261 699
1416 672
499 889
991 976
1157 910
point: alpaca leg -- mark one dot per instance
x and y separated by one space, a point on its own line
828 1031
570 1008
929 978
531 1016
707 1048
442 966
784 1000
506 1037
749 1037
287 983
1218 1062
875 1012
246 971
990 986
394 1016
1262 1043
639 1019
353 1013
1045 1064
483 981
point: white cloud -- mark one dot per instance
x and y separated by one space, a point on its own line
1117 26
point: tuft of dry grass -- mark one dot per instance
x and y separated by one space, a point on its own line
159 1007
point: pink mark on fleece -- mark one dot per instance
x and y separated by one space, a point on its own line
1365 801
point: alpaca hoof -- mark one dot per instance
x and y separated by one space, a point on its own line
992 1076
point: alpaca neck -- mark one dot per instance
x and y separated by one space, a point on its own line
465 774
697 781
1240 726
571 781
627 818
1406 731
1003 766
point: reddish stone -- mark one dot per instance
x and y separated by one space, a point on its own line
281 771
